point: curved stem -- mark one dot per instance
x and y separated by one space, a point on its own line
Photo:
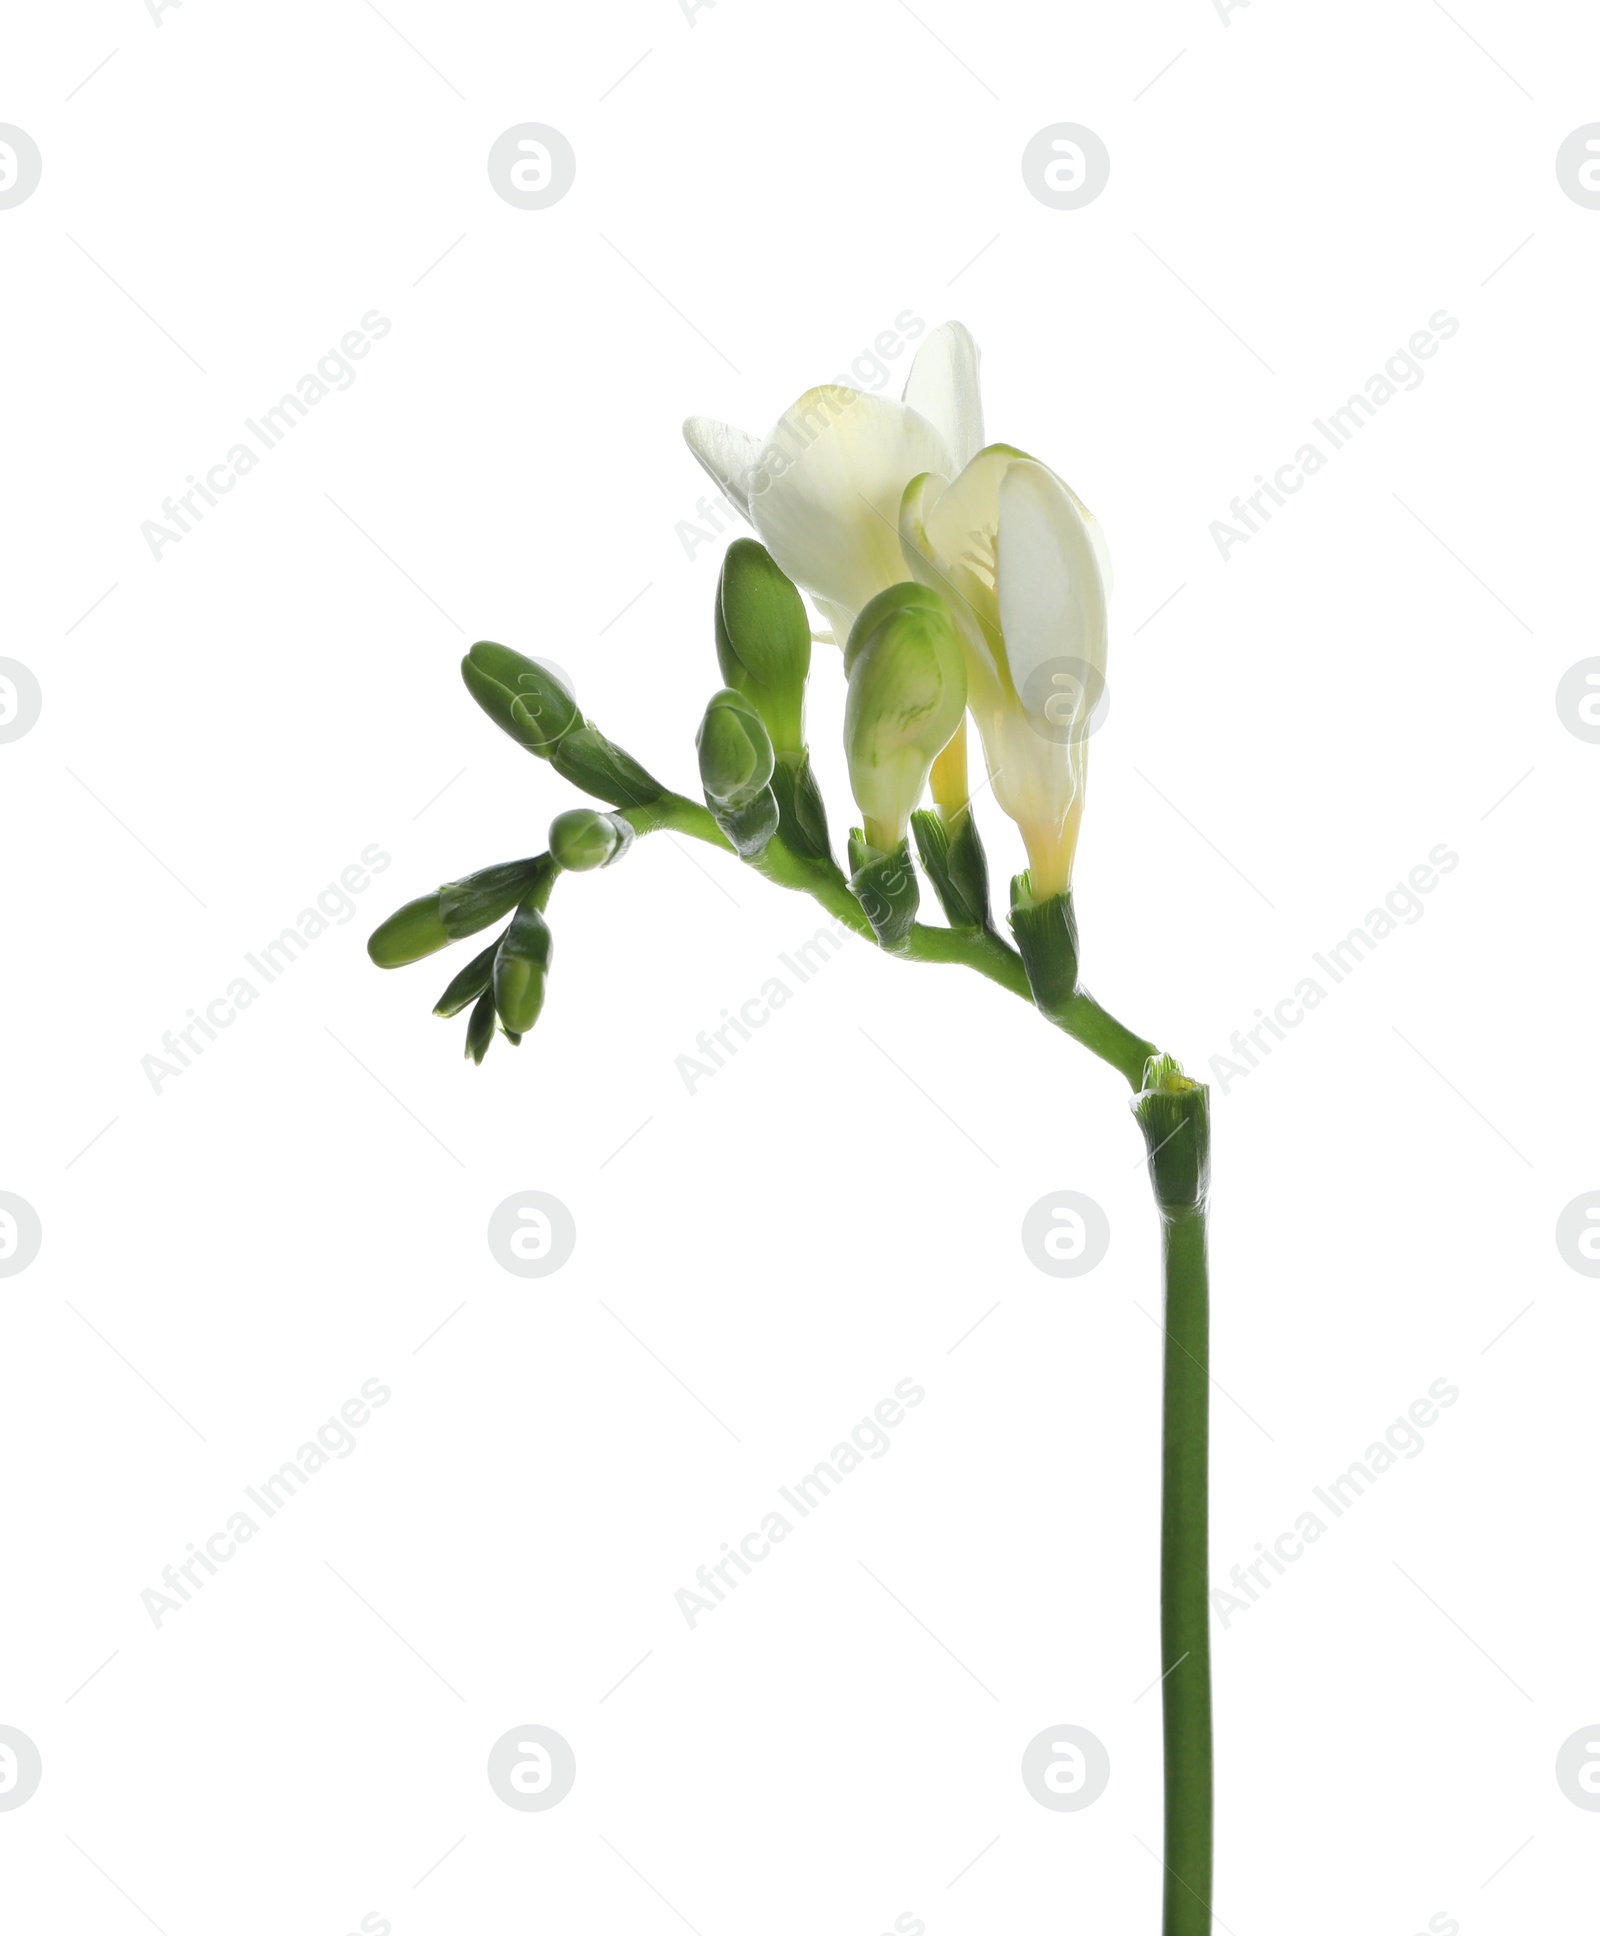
979 949
672 813
1185 1605
1103 1035
982 950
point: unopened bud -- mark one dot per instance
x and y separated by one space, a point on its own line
581 839
908 691
534 704
736 769
480 1026
468 985
472 903
736 758
432 921
409 934
521 963
589 760
764 640
528 700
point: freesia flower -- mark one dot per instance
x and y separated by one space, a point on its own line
954 576
1025 572
853 490
824 491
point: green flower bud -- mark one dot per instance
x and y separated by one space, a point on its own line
521 963
433 921
409 934
589 760
523 698
533 704
736 758
480 1027
468 985
750 828
467 905
581 839
764 640
908 690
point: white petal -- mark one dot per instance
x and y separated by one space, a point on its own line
1097 538
730 455
965 520
943 387
955 558
826 498
1052 595
838 621
916 507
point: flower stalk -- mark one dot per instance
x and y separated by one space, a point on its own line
1185 1600
1174 1114
954 576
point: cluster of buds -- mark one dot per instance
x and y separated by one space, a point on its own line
954 576
504 986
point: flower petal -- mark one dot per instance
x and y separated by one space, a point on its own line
916 506
942 554
837 618
943 387
730 455
965 520
1097 537
1052 594
826 501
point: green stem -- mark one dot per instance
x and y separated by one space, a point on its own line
1103 1035
978 949
674 814
1185 1606
1185 1602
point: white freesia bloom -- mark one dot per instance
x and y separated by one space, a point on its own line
852 491
824 491
1024 570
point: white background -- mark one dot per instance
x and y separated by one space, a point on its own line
1292 732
